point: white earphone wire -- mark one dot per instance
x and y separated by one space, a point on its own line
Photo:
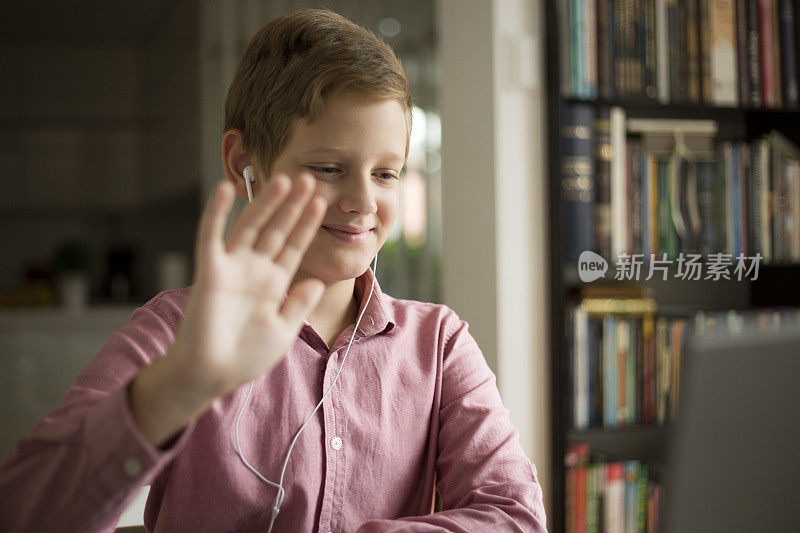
281 492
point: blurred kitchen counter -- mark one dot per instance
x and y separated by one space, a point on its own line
42 350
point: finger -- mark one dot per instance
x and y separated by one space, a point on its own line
211 229
303 233
250 223
302 298
273 235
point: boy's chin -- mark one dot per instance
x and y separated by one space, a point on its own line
332 269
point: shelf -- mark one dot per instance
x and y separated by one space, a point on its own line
651 107
645 443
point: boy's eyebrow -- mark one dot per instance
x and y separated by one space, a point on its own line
325 151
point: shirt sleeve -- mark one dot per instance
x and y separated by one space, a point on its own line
486 481
84 463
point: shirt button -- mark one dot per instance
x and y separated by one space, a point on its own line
132 467
336 443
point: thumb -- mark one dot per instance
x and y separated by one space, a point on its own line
302 298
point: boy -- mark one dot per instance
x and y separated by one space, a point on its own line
320 113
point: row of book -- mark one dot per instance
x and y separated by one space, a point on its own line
625 358
625 363
612 497
627 192
720 52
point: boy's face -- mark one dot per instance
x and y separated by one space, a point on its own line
356 152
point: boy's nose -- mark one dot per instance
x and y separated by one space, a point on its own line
357 195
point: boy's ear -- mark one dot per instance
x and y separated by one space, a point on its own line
234 160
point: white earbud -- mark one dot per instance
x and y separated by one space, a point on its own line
248 179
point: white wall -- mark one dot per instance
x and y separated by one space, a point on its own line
495 209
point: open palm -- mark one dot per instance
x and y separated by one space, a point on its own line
236 324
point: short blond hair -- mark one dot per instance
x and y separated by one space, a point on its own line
294 63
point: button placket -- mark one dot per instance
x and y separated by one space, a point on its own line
329 417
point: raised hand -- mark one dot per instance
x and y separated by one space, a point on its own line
236 325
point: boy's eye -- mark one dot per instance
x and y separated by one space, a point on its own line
324 170
386 176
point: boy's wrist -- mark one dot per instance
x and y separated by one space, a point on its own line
160 405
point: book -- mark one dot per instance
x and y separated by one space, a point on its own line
722 18
767 50
641 515
650 50
603 495
662 52
619 198
753 54
565 50
622 344
649 371
614 504
577 178
580 362
788 52
609 372
589 49
602 163
705 197
705 51
634 182
692 51
776 50
604 52
631 520
742 51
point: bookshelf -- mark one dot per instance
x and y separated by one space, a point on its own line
738 119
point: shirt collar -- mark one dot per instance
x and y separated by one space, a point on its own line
379 316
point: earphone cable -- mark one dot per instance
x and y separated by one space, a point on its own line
281 492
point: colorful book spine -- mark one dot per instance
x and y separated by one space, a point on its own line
592 498
649 358
632 468
722 15
609 496
614 503
610 372
623 351
767 50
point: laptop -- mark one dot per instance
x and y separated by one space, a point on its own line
734 454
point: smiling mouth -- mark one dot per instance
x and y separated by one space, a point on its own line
345 236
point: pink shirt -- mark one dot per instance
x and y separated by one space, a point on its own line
415 409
